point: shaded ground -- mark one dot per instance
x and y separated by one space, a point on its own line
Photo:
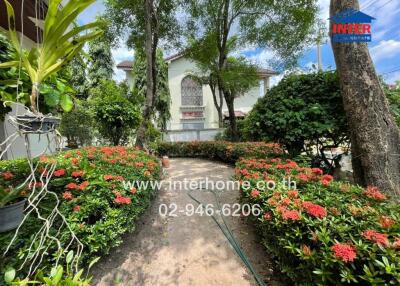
186 250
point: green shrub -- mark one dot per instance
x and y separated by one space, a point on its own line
219 150
77 126
116 116
324 232
299 112
89 184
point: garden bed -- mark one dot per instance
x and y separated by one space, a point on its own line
224 151
324 232
89 184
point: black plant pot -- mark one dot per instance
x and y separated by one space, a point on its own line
37 124
11 216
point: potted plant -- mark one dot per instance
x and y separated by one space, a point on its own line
11 207
62 41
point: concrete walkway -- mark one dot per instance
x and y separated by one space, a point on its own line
185 250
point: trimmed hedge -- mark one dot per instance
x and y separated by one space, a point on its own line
224 151
323 232
89 183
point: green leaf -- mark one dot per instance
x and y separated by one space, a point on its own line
93 262
70 256
9 275
66 102
51 99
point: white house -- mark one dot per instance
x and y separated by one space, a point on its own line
193 114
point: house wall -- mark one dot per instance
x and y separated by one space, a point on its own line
177 71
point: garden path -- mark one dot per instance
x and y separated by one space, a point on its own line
186 250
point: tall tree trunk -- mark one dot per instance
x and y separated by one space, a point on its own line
141 133
234 134
218 105
375 138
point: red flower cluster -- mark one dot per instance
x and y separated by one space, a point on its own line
77 209
267 216
317 171
293 194
326 179
59 173
74 186
314 209
121 200
290 214
7 175
255 193
376 237
67 196
374 193
386 222
77 174
111 177
344 252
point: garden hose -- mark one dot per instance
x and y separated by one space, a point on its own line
230 237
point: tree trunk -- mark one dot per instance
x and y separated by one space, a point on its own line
217 105
141 133
375 138
234 134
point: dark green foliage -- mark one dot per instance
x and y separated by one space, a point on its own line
163 98
77 126
393 95
9 77
101 62
115 115
301 111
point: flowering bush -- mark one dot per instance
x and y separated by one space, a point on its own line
220 150
323 232
89 185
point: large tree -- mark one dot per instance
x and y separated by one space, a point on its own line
148 24
375 138
283 26
101 63
163 99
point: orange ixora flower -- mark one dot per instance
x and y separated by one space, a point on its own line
290 215
77 208
344 252
7 175
386 222
374 193
77 174
72 186
83 185
314 210
306 250
133 190
326 179
255 193
67 196
59 173
267 216
378 238
147 173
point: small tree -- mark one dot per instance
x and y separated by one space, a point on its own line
77 126
115 115
300 112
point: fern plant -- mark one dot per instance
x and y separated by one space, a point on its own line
62 41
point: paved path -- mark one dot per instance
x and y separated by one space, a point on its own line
185 250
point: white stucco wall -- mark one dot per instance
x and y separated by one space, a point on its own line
177 71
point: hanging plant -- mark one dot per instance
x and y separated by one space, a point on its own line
62 41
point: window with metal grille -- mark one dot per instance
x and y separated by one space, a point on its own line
191 92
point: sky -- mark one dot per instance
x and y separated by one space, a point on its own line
384 48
